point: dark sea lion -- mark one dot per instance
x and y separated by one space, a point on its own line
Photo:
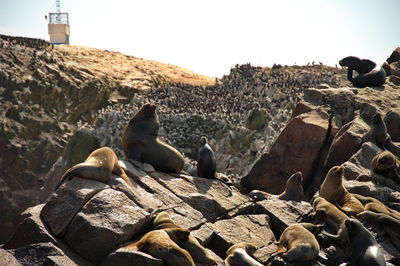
390 146
378 132
161 244
387 165
140 142
365 249
297 243
332 190
371 78
206 163
362 66
197 251
241 255
98 166
293 190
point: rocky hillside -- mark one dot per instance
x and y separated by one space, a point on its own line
87 222
45 91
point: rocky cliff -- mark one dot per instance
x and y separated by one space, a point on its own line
283 119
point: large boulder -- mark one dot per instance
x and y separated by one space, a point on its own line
296 149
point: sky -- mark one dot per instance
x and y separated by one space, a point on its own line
211 36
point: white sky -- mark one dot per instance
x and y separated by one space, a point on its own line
210 37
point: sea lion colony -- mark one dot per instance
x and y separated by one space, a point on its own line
176 246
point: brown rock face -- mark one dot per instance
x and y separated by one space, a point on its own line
296 148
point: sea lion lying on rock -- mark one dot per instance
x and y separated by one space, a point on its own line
161 244
374 205
196 250
371 78
140 142
293 190
297 243
387 165
332 190
241 255
98 166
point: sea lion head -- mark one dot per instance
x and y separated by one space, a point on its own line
250 248
163 220
367 216
386 160
349 61
295 178
336 171
147 109
203 141
177 234
354 227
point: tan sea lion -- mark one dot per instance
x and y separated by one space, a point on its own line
297 243
161 244
388 223
332 190
327 213
293 190
98 166
374 205
387 165
140 142
197 251
241 255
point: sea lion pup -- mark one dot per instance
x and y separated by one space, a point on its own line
98 166
374 205
197 251
388 224
161 244
327 213
241 255
332 190
387 165
378 132
365 249
297 243
140 142
206 164
293 190
373 78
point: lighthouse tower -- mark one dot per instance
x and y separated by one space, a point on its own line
59 26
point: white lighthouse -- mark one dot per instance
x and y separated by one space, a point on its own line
59 26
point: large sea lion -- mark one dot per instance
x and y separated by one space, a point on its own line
388 223
293 190
197 251
140 142
332 190
387 165
327 213
365 249
372 78
161 244
297 243
98 166
206 163
241 255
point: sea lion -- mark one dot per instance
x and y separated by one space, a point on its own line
365 249
293 190
332 189
372 78
206 164
387 165
161 244
388 224
362 66
378 132
140 142
392 147
241 255
327 213
297 243
98 166
197 251
374 205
